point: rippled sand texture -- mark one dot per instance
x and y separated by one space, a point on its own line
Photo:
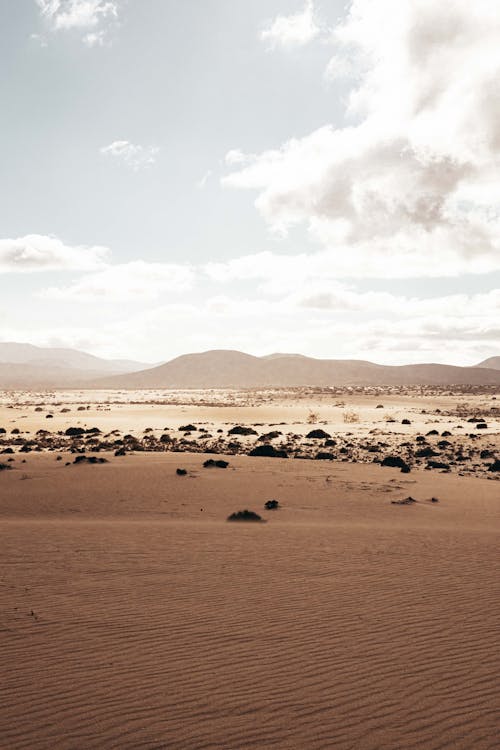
134 616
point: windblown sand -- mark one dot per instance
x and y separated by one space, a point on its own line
134 616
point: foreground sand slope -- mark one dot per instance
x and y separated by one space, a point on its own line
134 616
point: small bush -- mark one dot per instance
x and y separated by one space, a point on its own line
244 515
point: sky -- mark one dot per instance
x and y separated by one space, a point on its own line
311 176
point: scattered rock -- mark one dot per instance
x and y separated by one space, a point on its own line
181 472
495 466
187 428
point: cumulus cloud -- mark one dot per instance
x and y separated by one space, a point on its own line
93 16
36 252
414 181
134 156
123 282
295 30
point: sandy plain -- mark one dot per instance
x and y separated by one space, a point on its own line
135 616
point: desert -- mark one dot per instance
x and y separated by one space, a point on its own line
362 611
249 375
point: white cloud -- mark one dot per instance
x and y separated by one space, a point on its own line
134 156
295 30
36 252
93 15
122 282
412 188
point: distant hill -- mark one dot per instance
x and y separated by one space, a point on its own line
28 366
493 363
226 369
14 353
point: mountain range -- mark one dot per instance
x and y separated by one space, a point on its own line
26 366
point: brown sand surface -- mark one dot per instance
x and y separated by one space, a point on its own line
134 616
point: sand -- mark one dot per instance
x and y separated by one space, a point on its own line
134 616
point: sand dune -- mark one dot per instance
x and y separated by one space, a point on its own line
134 616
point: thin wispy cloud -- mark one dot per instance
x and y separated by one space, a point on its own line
122 282
36 252
132 155
294 30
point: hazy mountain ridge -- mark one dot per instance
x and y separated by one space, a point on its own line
29 366
225 369
12 352
26 366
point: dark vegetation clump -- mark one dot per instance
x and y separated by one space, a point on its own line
438 465
270 435
269 451
405 421
4 467
406 501
271 505
181 472
495 466
244 515
318 435
89 460
187 428
241 430
324 456
219 464
74 431
396 462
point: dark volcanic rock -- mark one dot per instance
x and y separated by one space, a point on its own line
181 472
324 456
187 428
495 466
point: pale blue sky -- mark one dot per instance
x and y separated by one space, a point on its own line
185 82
